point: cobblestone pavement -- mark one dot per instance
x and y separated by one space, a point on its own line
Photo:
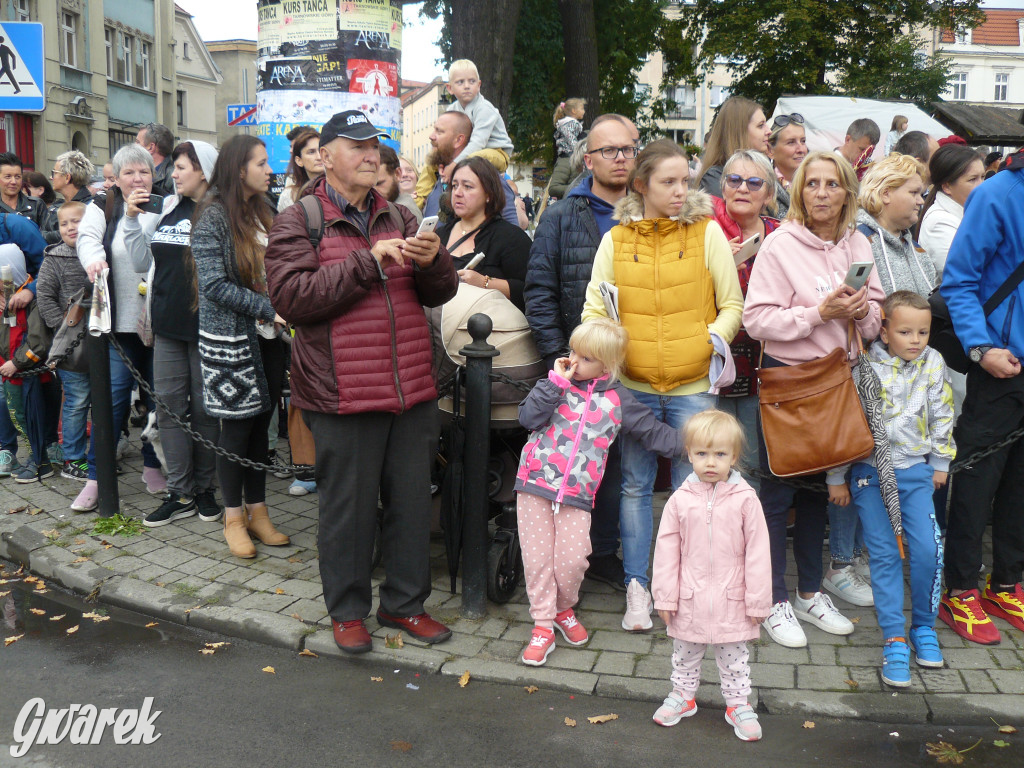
183 572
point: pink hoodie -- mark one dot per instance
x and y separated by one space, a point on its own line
712 565
793 273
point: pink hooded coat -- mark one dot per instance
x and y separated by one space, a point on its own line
712 565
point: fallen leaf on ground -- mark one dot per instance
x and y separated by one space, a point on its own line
89 615
598 719
5 594
207 651
217 645
160 583
16 510
531 689
1003 728
53 533
39 586
58 618
80 560
307 652
37 611
278 591
36 511
72 630
401 746
12 640
151 625
294 559
464 680
269 670
852 683
79 541
107 546
944 752
570 722
296 616
377 679
855 620
30 579
808 723
1000 743
393 641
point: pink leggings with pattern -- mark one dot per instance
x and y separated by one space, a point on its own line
733 669
555 551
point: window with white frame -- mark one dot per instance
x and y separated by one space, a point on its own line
142 64
69 38
958 86
181 107
108 41
719 93
963 36
1002 84
22 10
124 59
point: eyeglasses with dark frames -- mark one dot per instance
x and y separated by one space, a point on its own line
735 181
610 153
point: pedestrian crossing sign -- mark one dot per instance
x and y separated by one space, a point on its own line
21 67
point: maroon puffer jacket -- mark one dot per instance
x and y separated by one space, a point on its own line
361 342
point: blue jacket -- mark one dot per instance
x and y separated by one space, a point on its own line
24 234
987 247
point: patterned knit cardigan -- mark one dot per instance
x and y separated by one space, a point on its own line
234 385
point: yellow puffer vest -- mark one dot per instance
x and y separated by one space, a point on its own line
666 300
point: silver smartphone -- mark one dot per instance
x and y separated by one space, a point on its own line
428 225
858 274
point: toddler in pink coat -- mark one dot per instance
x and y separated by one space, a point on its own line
712 573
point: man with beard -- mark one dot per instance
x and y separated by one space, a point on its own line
561 261
387 182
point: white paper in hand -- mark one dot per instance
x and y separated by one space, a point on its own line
610 294
99 315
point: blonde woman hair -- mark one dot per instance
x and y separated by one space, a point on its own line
604 340
567 107
713 426
887 174
848 181
764 167
463 65
729 133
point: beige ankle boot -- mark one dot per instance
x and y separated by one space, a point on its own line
237 537
259 525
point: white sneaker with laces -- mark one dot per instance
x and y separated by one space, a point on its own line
847 584
820 612
782 626
639 606
862 567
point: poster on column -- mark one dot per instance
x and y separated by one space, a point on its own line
377 22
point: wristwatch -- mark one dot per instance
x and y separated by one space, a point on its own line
979 352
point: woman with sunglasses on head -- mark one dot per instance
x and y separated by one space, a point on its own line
740 124
748 190
787 147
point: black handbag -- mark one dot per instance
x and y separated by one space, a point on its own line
70 335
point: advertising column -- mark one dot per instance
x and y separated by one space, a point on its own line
320 57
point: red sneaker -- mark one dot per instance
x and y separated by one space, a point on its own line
966 616
351 636
571 629
422 627
1007 605
542 643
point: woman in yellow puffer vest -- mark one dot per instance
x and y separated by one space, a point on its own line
677 290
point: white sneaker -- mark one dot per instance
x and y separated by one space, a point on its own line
847 584
782 626
862 567
820 612
639 606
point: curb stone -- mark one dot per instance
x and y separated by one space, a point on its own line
45 562
249 624
426 659
139 596
518 674
22 542
879 707
951 709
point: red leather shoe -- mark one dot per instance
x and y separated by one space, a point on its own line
351 636
421 627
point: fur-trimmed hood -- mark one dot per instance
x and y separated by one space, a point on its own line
630 209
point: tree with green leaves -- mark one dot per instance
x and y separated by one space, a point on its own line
866 48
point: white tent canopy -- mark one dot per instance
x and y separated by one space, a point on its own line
826 118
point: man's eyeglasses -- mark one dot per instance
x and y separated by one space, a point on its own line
610 153
735 181
781 121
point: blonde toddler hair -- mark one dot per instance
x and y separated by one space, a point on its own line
604 340
711 426
463 65
567 107
887 174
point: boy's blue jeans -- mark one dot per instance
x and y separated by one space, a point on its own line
923 539
75 414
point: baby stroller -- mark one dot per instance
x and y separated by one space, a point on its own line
514 373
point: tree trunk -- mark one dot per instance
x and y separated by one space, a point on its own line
484 31
579 41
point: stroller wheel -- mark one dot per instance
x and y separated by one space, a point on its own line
504 569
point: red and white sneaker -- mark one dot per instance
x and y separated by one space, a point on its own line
965 615
541 644
1007 605
571 629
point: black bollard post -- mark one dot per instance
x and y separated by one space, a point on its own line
478 356
104 432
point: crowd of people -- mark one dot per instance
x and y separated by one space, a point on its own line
656 299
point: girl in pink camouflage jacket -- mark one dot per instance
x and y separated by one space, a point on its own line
575 415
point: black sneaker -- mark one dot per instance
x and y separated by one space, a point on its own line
607 569
75 470
209 509
46 470
175 507
280 470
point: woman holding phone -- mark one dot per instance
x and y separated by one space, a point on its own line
478 200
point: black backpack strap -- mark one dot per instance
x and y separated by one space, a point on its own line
313 210
1004 290
396 216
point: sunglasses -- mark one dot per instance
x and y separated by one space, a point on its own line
735 181
781 121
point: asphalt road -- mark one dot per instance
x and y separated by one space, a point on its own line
222 710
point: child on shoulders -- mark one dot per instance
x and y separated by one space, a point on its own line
490 137
568 126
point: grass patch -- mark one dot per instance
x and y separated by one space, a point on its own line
310 631
189 590
118 525
62 524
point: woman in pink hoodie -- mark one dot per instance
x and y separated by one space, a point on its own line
799 306
711 572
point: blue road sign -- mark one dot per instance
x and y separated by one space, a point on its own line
21 67
242 114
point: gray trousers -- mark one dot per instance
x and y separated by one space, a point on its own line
357 456
178 380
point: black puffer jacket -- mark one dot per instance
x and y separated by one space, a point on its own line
561 260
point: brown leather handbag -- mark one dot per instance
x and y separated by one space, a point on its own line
812 417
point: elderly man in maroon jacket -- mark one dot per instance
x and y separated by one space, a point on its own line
361 373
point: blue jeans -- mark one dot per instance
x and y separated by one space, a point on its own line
121 385
8 432
75 413
639 470
923 537
745 410
845 533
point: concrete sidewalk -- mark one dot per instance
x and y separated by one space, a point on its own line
184 573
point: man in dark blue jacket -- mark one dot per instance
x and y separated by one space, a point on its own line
561 261
988 247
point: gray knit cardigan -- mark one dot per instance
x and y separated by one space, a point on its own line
234 384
